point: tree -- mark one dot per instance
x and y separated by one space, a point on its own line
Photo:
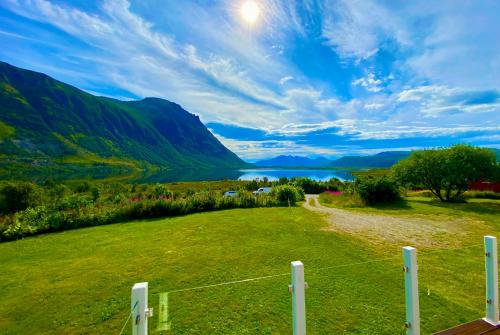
446 172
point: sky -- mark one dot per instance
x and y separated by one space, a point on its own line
310 78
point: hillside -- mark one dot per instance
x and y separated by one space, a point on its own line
293 161
46 121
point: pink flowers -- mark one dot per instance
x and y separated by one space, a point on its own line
335 193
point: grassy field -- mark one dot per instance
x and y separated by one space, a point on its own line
78 282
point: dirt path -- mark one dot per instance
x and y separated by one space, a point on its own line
418 231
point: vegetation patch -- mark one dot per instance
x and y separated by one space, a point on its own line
379 190
29 209
447 173
6 130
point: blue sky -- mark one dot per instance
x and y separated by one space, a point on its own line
314 78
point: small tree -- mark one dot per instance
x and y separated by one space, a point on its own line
377 190
446 172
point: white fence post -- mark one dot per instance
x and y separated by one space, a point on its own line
491 263
411 291
139 309
298 298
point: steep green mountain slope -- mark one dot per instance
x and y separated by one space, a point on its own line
44 120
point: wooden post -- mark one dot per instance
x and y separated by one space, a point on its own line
138 306
411 291
298 298
491 263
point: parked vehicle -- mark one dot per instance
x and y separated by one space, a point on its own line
262 190
230 194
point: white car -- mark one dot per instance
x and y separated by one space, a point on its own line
262 190
230 194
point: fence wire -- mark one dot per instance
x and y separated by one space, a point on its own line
309 269
128 318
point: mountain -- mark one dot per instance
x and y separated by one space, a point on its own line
381 160
293 161
44 120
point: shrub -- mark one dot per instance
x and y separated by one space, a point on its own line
161 191
18 197
95 194
79 210
310 186
336 185
288 194
28 222
376 190
75 202
83 187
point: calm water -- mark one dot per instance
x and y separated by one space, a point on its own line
246 174
275 174
166 176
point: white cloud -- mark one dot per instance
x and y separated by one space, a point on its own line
370 83
355 29
460 46
230 75
435 100
285 79
254 150
373 106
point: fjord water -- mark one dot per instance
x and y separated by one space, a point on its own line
185 175
275 174
243 174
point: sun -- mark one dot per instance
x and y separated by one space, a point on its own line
250 11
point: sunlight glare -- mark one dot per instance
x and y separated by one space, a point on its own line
250 11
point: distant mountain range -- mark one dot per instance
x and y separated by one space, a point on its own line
44 120
293 161
380 160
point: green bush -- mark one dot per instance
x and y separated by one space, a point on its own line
77 211
55 207
83 187
28 222
288 194
311 186
376 190
75 202
18 197
161 190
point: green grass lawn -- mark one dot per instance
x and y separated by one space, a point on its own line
78 282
